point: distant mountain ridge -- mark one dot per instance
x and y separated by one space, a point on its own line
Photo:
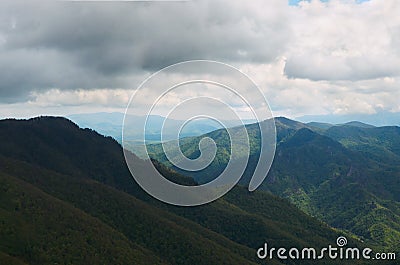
382 118
110 124
325 126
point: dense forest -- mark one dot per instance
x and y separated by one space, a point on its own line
345 175
68 198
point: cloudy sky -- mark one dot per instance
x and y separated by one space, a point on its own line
333 57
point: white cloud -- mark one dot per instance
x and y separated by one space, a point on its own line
343 40
296 97
97 97
316 58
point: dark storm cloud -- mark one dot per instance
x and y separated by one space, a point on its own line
70 45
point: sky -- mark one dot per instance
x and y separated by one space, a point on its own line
337 57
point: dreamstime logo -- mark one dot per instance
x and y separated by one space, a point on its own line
331 252
190 91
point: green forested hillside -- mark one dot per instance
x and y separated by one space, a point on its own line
333 173
38 228
68 198
381 144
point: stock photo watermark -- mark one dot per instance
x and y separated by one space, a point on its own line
340 251
207 90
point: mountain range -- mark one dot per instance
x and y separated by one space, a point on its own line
67 197
346 175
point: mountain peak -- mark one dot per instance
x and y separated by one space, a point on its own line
43 121
358 124
288 123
